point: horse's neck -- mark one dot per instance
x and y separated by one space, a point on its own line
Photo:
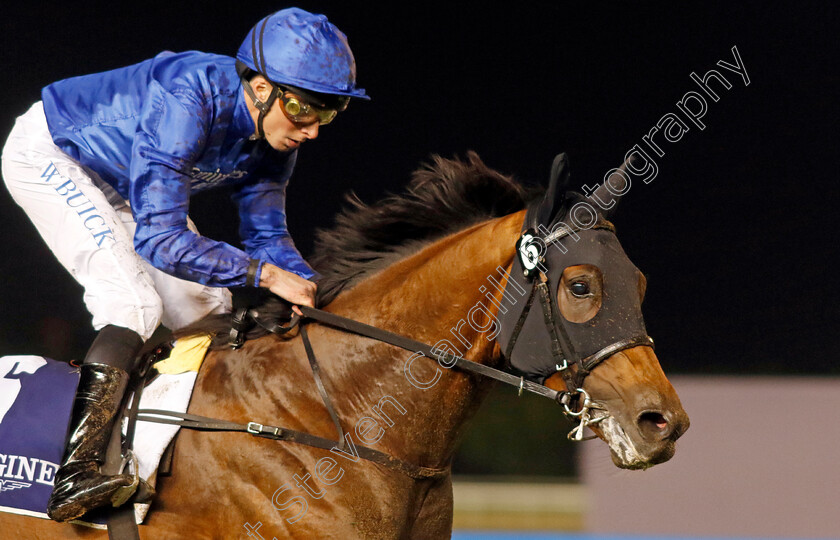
436 294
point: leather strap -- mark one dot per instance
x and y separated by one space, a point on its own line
316 372
561 345
259 63
239 324
203 423
121 521
428 351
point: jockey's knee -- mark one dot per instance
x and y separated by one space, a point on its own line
141 314
187 303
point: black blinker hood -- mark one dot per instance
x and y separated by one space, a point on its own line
536 339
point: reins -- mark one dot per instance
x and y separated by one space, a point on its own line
428 351
564 398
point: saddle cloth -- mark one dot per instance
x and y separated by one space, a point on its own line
36 399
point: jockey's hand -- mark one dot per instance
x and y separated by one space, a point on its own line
288 286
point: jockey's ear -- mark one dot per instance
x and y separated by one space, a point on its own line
262 88
555 193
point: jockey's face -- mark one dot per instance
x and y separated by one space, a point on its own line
280 132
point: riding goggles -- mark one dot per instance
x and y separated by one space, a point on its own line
301 111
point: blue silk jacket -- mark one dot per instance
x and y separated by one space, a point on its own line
168 127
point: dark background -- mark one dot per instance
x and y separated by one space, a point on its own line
737 234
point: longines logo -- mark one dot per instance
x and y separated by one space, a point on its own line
8 485
20 471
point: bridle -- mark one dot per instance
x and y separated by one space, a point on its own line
529 270
552 239
530 267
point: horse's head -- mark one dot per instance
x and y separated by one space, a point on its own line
572 321
579 329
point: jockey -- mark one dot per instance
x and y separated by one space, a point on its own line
104 166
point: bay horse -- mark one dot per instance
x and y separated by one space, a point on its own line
412 264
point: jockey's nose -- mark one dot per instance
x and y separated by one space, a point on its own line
311 130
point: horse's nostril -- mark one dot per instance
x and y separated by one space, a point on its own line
653 424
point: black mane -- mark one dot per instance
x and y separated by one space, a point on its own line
443 197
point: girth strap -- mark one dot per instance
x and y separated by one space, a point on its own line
203 423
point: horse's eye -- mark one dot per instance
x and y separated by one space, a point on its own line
579 289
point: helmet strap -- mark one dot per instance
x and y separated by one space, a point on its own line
262 106
259 62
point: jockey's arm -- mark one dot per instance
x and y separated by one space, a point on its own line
172 134
262 218
162 238
160 193
160 203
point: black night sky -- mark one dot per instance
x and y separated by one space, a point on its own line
737 233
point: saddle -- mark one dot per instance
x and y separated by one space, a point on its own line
256 312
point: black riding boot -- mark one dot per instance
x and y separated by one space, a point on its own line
79 485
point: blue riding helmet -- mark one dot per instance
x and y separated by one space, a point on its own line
296 48
304 53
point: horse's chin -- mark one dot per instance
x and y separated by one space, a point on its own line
627 454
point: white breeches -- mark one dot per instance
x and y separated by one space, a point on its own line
89 228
